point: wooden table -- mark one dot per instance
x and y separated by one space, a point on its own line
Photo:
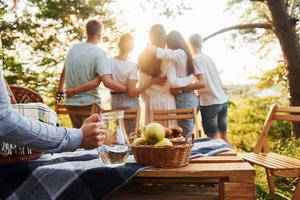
224 176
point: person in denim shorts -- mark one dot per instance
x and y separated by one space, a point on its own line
213 101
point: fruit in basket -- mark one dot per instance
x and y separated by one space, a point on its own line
176 130
168 132
139 141
164 142
154 132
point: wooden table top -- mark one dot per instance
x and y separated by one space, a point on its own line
222 165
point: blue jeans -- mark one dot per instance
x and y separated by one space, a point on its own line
214 118
187 100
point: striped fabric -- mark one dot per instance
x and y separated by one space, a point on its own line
37 111
19 130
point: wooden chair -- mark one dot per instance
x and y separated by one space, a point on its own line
182 113
130 114
275 164
63 109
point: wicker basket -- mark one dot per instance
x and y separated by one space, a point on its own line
166 157
17 157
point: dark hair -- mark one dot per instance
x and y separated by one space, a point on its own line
126 42
176 41
93 27
147 62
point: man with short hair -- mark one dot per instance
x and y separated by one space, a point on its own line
213 101
86 65
22 131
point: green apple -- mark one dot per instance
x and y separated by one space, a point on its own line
164 142
154 132
139 141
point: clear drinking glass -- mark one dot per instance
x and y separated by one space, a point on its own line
115 150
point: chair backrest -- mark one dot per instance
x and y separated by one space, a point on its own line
61 108
175 114
130 114
25 95
291 114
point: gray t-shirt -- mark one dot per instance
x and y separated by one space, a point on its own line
84 62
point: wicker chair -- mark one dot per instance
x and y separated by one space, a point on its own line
25 95
22 95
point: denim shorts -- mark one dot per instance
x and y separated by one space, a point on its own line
214 118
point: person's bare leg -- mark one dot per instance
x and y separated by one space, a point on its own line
212 135
223 136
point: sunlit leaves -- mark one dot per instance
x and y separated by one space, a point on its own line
37 36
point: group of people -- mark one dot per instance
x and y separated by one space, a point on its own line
170 73
168 78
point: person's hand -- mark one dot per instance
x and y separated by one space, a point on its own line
159 80
93 132
70 92
176 91
152 49
59 96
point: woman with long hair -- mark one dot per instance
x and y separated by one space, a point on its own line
180 74
124 72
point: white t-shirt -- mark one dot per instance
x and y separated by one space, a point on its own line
213 92
175 67
123 70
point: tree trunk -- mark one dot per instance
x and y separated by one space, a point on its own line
289 42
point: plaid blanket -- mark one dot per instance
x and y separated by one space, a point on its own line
38 111
77 175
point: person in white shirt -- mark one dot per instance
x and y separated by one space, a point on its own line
159 97
213 101
179 68
124 72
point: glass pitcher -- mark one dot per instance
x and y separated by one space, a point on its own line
115 150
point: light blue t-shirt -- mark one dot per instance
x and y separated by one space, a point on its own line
84 62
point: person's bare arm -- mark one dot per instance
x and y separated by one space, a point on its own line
61 81
199 84
111 84
84 87
135 91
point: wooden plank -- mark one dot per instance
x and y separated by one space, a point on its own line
227 153
278 160
217 159
239 190
170 190
295 118
172 117
285 158
286 173
202 170
296 194
268 162
173 111
196 180
241 179
289 109
261 144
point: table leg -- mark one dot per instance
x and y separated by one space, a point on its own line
238 187
296 194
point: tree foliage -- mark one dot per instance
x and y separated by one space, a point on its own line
37 35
